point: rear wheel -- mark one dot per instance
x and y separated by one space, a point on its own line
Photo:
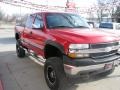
54 73
19 50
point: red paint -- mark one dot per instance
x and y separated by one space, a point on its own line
64 37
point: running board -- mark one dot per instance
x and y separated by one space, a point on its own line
38 59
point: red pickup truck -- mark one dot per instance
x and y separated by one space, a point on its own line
64 44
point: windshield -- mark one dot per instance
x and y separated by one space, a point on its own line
63 20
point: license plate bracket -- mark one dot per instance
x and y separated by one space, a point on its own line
108 66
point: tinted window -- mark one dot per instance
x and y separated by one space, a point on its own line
38 23
29 21
106 25
65 21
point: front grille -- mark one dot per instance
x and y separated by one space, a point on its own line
103 54
103 45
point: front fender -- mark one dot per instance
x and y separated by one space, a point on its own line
55 44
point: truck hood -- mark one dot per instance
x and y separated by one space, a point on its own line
83 35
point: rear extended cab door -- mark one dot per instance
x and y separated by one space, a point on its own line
27 32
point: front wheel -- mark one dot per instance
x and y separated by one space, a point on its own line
54 73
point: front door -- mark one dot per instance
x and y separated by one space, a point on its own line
38 35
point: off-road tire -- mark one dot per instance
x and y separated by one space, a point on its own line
56 64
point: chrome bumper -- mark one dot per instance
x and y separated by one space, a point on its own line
72 70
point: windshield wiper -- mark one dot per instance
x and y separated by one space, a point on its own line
61 27
81 27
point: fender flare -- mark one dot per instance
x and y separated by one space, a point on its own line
17 34
55 44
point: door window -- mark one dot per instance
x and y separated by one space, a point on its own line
38 23
29 21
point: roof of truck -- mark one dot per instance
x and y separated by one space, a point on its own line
53 12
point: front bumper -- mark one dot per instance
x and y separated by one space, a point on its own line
104 66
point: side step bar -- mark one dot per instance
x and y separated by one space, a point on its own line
38 59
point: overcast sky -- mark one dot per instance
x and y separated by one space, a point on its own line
79 3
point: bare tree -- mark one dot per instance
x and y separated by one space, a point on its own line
117 14
1 14
112 7
101 7
106 6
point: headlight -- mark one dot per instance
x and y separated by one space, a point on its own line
79 46
74 50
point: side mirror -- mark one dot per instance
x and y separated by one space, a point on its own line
37 26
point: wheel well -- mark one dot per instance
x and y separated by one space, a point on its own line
17 36
52 51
